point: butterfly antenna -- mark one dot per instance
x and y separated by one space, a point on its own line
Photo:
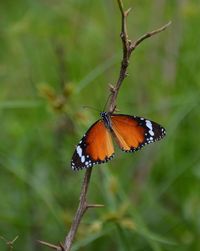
106 102
90 107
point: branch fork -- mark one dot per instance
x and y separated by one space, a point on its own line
128 47
9 243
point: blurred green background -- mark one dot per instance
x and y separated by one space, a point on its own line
55 57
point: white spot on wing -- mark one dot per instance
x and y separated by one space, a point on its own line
149 124
79 151
82 158
151 132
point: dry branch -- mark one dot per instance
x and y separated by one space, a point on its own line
10 244
82 207
128 47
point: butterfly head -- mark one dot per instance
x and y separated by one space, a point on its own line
103 114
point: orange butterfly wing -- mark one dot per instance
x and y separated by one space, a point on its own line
132 133
95 147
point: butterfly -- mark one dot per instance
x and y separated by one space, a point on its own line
131 133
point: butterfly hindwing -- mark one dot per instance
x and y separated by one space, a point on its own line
132 132
95 147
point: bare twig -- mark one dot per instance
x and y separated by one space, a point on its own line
128 48
82 207
147 35
9 243
49 245
94 205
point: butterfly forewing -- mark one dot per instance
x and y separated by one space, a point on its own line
132 132
95 147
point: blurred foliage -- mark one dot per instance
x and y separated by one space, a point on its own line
55 57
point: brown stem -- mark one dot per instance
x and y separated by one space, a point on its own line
82 207
128 48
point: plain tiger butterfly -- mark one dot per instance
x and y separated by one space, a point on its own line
131 133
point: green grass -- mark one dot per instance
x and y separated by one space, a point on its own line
56 57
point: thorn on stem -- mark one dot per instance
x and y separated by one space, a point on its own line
112 88
127 12
129 42
94 205
122 35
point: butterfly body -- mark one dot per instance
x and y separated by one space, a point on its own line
106 119
131 133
